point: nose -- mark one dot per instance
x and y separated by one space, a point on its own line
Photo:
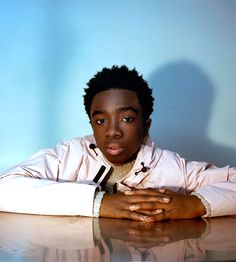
113 130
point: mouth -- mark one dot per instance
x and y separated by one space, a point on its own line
114 150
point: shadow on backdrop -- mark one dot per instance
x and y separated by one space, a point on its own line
184 97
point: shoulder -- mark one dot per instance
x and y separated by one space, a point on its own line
75 145
150 146
153 153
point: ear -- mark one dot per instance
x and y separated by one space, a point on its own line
147 125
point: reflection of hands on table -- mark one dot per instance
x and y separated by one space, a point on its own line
147 235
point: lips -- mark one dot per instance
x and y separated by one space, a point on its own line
114 150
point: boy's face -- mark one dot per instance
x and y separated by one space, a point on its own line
117 122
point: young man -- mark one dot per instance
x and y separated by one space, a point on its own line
117 172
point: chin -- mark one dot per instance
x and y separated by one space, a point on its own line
116 160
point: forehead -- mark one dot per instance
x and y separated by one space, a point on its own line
112 99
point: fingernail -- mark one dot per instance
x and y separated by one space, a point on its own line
166 199
158 211
128 192
133 207
146 219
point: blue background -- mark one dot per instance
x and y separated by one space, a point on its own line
186 50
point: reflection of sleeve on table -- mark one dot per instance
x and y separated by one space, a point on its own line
21 232
222 235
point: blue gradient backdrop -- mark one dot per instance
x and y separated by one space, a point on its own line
185 49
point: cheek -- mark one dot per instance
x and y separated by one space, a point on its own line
98 135
96 132
96 128
137 131
136 137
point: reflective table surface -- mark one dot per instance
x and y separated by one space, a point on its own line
27 238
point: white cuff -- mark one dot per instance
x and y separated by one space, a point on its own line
205 203
97 203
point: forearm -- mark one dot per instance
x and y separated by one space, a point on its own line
45 197
221 198
219 193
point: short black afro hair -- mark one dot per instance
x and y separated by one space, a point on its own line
120 78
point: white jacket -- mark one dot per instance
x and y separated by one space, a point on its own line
63 180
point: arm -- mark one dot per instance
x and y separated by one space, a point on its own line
21 194
32 187
215 187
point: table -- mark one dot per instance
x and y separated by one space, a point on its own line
26 238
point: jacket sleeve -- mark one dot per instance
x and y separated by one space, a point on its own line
33 186
216 185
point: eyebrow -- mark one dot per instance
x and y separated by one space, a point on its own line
120 109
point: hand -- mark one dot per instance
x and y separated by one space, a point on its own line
122 205
180 207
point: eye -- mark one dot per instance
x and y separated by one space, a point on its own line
100 121
128 119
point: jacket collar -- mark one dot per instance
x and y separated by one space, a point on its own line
147 157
